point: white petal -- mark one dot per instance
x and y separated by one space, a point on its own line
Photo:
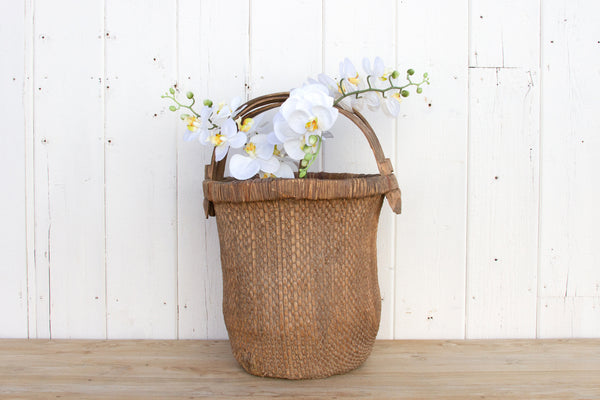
243 167
284 171
273 139
372 100
367 66
235 103
293 149
282 129
269 166
297 120
221 151
349 68
326 116
378 67
229 128
238 140
391 107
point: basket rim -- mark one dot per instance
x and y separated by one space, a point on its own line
315 186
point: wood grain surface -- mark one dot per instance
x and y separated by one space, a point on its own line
411 369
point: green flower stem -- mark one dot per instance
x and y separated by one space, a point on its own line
179 105
305 169
382 91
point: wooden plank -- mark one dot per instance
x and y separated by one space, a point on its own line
503 203
491 369
569 215
199 276
13 239
284 52
569 317
349 31
73 165
504 33
431 169
191 158
141 215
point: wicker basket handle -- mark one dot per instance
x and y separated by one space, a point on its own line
216 169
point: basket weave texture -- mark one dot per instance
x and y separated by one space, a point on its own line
300 291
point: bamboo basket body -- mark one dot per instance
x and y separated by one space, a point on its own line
300 291
301 297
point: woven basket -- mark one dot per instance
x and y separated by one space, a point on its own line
300 291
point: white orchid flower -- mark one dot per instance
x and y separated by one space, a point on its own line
391 104
307 112
222 111
259 157
223 138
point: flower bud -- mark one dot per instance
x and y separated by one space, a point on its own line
395 74
410 71
184 116
303 163
302 173
425 75
172 108
419 90
189 95
208 103
308 156
313 139
171 90
405 93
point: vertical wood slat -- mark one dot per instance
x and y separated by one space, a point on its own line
431 170
504 33
13 245
191 158
503 174
503 203
219 71
69 137
140 164
569 281
350 31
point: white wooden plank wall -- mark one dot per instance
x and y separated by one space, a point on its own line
103 233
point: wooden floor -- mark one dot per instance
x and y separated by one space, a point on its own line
498 369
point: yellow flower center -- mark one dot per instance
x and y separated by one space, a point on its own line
276 151
217 139
312 125
397 97
250 149
245 125
191 123
354 80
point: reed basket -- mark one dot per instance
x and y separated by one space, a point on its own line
299 257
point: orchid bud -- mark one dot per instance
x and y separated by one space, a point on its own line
419 90
189 95
303 163
395 74
184 116
308 156
208 103
172 108
302 173
410 71
425 75
313 139
405 93
171 90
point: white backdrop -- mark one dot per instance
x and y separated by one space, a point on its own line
103 233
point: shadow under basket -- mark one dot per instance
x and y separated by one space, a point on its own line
301 297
